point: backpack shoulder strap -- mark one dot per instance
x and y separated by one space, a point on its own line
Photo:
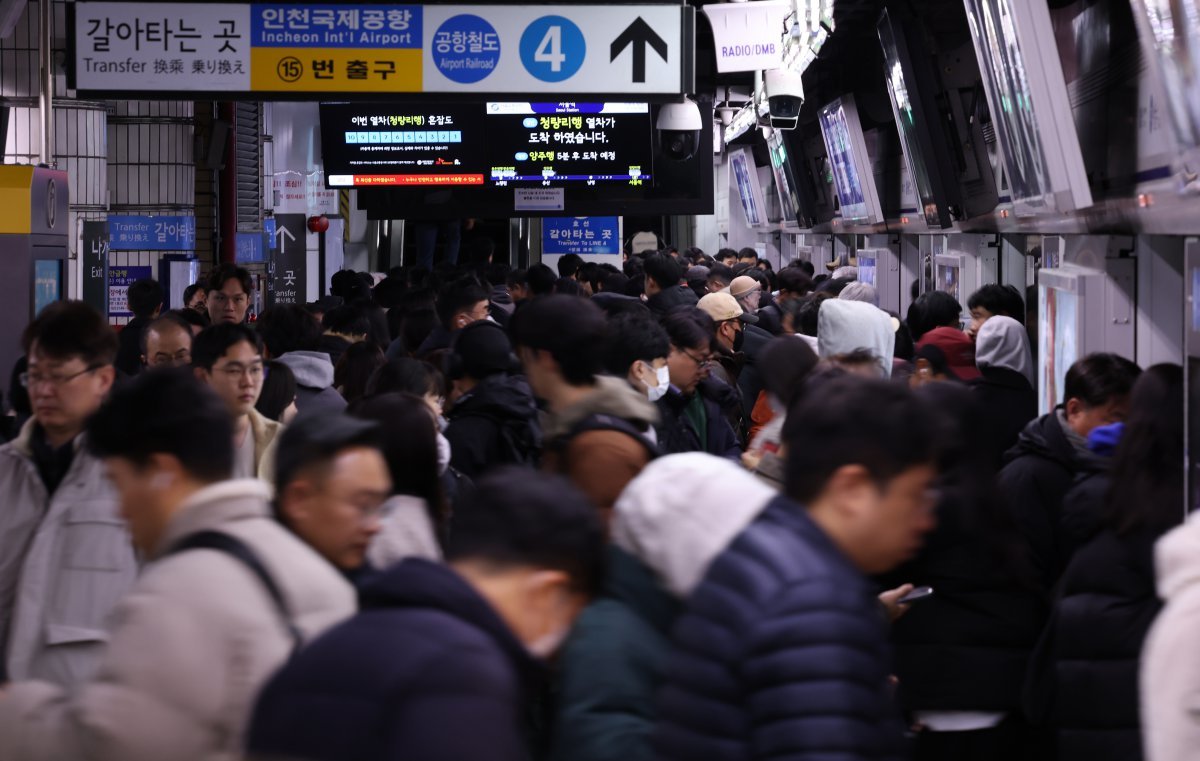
238 550
601 422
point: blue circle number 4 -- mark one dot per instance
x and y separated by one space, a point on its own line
553 48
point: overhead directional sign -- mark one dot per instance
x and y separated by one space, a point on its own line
256 50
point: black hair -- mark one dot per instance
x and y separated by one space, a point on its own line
161 323
689 328
665 271
572 330
614 282
853 420
540 279
67 329
592 273
460 296
348 320
636 337
833 286
793 280
351 285
784 363
1146 487
808 316
315 440
569 264
416 328
226 272
748 253
999 300
519 517
403 374
568 287
288 327
722 273
165 412
934 309
634 267
355 368
1099 378
144 297
214 341
191 317
191 291
726 253
517 278
408 441
278 390
479 252
389 292
905 346
496 273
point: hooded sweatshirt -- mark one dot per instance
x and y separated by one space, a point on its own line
496 423
1170 665
671 522
847 326
601 462
314 381
1003 342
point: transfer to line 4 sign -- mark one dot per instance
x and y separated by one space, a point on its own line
257 50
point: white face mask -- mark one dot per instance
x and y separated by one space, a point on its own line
443 446
547 644
663 377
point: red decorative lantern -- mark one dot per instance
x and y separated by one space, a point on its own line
318 224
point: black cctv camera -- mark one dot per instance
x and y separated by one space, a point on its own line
679 126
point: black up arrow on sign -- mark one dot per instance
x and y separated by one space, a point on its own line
639 35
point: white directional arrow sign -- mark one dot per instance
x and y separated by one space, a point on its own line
280 234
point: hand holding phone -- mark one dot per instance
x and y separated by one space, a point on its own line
919 593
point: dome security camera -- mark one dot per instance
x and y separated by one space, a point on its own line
679 126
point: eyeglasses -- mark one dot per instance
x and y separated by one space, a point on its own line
54 380
700 361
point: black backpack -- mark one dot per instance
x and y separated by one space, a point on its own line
238 550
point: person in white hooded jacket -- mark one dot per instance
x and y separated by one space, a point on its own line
846 328
668 525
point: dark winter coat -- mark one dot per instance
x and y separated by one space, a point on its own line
676 434
750 381
770 319
612 666
1083 509
668 300
129 346
1007 403
1105 606
967 647
494 424
426 670
781 653
1041 470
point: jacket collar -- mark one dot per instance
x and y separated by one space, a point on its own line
264 432
23 444
629 580
215 506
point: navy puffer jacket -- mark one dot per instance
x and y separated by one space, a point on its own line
781 654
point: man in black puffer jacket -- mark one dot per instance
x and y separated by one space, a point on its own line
782 651
1053 450
494 422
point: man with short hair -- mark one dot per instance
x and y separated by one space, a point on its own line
228 358
194 297
292 336
739 343
782 650
167 342
227 597
331 481
663 290
230 289
145 299
640 354
65 557
493 420
691 415
719 278
993 300
569 266
596 428
441 662
748 256
1053 450
458 305
727 257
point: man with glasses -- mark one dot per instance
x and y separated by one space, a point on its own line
65 554
331 481
692 419
167 342
229 291
228 358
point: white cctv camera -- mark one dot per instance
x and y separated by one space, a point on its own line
784 91
679 126
726 114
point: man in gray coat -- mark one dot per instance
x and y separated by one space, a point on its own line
227 595
65 556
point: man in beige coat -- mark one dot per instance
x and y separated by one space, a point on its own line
65 555
202 629
228 358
